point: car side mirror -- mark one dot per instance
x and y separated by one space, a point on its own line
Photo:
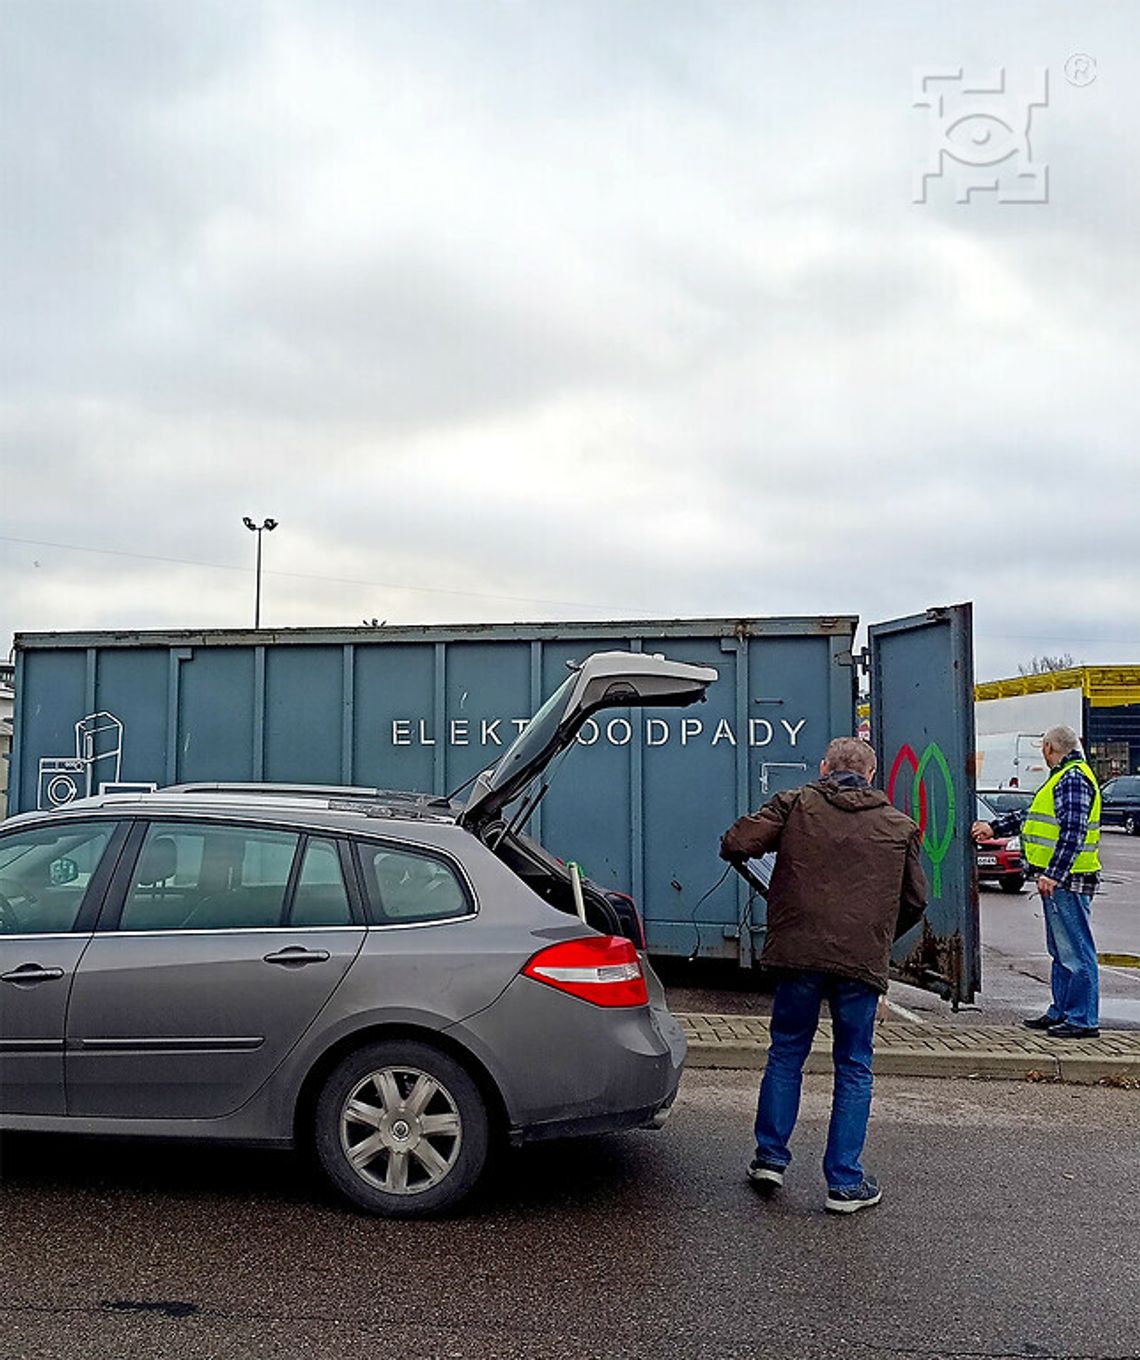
63 871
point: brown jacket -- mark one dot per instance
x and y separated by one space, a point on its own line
848 879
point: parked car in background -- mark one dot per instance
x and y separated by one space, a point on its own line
1120 803
999 860
394 979
1007 800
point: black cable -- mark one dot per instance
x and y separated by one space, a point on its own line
693 913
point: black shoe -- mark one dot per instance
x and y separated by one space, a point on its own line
863 1196
765 1176
1041 1022
1066 1031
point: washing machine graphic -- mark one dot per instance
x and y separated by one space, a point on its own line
62 780
98 757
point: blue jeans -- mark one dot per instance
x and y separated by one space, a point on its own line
1068 937
795 1018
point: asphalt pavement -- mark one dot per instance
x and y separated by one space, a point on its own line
1008 1229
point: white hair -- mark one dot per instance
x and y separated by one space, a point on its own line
1062 739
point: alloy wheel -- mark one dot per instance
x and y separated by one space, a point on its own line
401 1130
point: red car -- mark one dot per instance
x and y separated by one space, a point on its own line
999 860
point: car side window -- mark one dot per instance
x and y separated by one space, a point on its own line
44 875
403 886
320 898
209 877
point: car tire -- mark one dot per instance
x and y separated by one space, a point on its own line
401 1129
1013 884
1132 824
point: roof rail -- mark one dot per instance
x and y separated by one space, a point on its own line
277 790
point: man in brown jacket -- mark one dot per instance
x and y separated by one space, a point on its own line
847 882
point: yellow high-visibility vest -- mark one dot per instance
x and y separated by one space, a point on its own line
1042 829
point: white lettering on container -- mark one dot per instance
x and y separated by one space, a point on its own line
690 727
583 739
619 723
724 732
617 731
754 726
653 725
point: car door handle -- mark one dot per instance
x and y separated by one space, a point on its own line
32 972
295 956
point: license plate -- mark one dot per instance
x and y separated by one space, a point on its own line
987 860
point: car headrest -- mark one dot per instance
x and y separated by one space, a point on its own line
158 862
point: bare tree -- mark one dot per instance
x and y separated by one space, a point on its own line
1042 665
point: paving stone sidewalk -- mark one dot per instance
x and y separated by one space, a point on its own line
930 1050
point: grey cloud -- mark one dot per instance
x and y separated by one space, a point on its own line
680 261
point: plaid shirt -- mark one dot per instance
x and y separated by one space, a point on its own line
1073 796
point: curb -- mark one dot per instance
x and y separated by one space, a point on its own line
740 1043
1077 1068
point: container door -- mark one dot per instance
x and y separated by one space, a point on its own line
922 705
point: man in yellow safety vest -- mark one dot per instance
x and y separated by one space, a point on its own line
1060 839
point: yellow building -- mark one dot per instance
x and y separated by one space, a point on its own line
1108 704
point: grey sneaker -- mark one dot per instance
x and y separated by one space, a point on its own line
765 1176
858 1197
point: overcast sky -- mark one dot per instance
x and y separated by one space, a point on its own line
559 310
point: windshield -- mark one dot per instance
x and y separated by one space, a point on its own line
1009 801
536 735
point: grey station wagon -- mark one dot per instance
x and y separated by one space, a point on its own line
394 979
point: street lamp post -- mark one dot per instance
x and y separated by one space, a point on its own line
269 524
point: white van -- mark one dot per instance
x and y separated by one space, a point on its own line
1010 760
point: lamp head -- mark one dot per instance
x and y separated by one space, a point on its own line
270 524
249 524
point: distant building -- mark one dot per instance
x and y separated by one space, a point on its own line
1100 703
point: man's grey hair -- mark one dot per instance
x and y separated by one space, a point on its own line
850 753
1062 739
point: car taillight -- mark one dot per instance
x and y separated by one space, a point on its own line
601 969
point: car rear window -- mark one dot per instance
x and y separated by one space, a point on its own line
404 886
320 898
209 877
